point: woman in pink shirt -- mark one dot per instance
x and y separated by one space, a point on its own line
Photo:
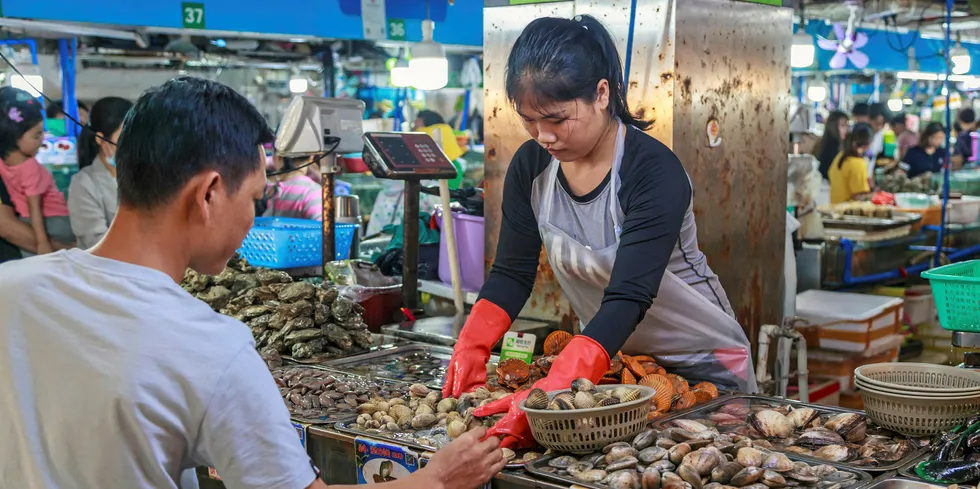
31 186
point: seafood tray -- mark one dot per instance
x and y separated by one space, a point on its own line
317 396
660 459
870 224
415 363
811 432
900 483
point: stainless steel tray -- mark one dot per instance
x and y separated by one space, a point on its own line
903 483
535 468
861 223
703 410
332 418
373 364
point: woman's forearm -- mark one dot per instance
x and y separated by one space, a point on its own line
37 221
17 232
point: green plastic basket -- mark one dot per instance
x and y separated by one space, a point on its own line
956 288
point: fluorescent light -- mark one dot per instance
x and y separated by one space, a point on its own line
895 104
28 83
816 93
298 84
907 101
429 66
917 75
802 51
960 58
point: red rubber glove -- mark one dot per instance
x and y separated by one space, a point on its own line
467 369
582 358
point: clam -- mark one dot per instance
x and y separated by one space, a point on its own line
834 453
851 426
529 456
823 470
630 395
607 401
663 466
367 408
537 399
690 425
615 446
806 452
508 454
777 462
422 421
690 475
425 409
624 463
433 398
583 385
677 434
650 455
723 473
802 416
650 479
446 405
623 479
665 443
713 485
562 462
704 460
583 400
676 485
773 479
561 404
455 428
749 457
699 443
480 394
677 452
418 390
772 424
818 437
746 476
619 453
644 439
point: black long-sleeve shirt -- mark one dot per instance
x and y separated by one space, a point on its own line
655 196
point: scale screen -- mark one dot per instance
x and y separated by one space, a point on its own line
405 156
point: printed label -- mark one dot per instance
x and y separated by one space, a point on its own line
518 345
383 462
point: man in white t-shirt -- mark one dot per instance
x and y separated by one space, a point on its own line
877 118
112 376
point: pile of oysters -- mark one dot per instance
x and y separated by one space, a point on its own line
296 319
583 395
834 437
678 459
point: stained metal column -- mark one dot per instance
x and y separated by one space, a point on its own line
691 62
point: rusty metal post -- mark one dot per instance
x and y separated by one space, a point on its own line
328 172
410 247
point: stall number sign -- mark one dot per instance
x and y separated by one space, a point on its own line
396 29
192 14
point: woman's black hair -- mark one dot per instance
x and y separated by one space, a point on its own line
559 60
831 133
931 129
430 118
859 136
19 113
106 117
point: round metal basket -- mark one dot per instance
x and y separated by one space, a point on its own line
583 431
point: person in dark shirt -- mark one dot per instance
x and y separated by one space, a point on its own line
929 155
14 233
835 130
613 208
861 113
963 149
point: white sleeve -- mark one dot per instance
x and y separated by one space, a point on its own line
246 434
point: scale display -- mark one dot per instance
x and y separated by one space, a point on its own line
406 156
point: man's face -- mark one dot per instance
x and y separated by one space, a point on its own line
226 219
878 123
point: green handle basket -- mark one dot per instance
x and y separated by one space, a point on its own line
956 289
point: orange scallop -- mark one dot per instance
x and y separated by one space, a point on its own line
628 377
644 358
654 415
680 383
707 387
615 367
555 342
661 371
608 381
633 366
663 390
701 397
685 401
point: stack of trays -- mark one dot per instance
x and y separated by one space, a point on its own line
918 399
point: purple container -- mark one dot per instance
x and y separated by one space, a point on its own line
469 247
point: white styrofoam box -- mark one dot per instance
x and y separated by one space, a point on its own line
850 311
919 308
964 210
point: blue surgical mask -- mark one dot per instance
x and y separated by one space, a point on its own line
111 161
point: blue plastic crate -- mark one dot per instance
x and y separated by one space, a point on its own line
281 242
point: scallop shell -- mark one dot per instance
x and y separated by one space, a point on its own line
630 395
633 366
628 377
608 381
555 342
680 383
584 400
701 397
685 401
537 399
615 367
513 371
663 391
707 387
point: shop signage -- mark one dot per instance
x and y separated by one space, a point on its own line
373 18
396 29
301 430
383 462
192 15
528 2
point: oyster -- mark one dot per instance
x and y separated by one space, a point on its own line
342 308
267 277
772 424
296 309
297 291
336 335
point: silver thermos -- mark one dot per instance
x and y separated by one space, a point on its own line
347 209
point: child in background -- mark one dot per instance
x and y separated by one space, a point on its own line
32 189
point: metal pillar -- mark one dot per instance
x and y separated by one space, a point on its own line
410 246
947 45
328 172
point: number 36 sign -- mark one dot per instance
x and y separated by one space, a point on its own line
192 15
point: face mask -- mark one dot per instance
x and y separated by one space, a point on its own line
111 161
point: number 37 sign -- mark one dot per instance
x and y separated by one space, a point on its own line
192 15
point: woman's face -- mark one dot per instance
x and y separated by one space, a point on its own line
568 130
31 141
937 140
842 126
109 149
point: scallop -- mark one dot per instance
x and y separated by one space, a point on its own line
537 399
584 400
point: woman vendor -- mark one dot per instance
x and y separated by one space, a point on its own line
613 208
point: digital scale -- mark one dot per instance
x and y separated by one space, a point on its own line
411 157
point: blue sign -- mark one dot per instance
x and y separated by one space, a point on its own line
403 9
379 462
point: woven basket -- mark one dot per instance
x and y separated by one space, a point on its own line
917 416
583 431
911 378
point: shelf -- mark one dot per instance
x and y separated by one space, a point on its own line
444 291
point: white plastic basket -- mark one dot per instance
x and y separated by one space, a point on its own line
920 377
964 210
582 431
915 415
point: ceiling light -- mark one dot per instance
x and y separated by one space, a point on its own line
803 50
298 84
895 104
401 74
429 66
816 92
960 58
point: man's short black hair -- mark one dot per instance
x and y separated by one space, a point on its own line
181 128
879 109
861 109
900 119
967 116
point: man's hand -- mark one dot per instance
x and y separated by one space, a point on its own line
467 462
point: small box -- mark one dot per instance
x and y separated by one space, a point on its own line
848 322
